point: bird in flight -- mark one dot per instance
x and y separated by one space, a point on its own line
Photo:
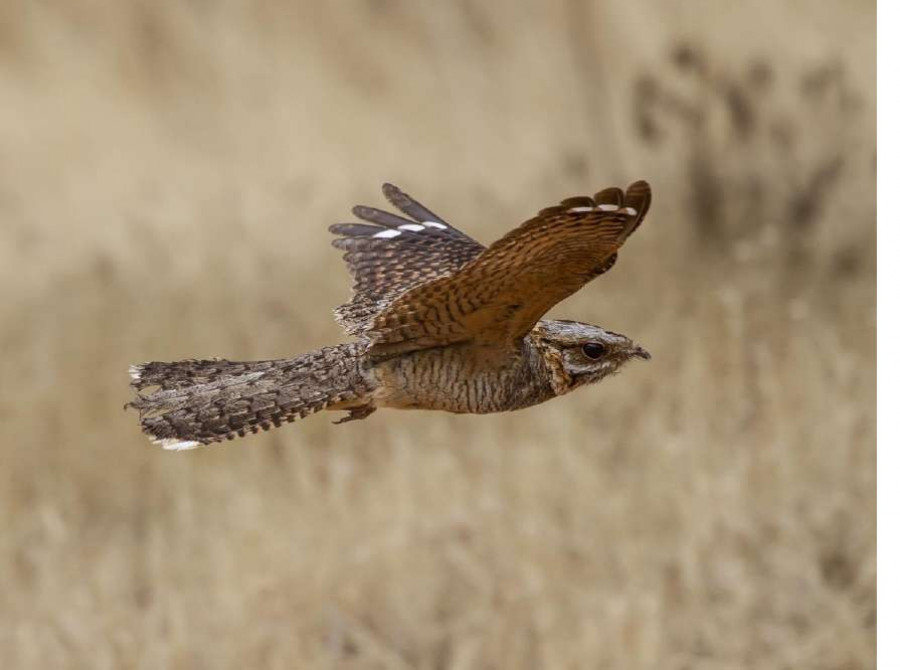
441 322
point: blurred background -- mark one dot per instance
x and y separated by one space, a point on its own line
167 174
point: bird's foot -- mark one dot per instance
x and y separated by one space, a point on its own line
355 414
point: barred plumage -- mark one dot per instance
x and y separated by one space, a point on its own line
198 402
443 323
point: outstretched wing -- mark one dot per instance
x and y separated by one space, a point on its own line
498 297
390 255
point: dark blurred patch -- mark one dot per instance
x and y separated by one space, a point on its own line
736 175
340 639
14 44
150 30
707 199
689 58
104 269
760 75
575 165
740 107
817 82
848 262
837 568
806 204
477 22
158 59
655 105
645 96
827 85
753 202
381 6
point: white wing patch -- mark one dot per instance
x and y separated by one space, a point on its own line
412 227
602 208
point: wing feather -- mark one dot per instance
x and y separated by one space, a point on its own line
498 296
389 255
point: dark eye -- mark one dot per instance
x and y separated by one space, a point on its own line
593 350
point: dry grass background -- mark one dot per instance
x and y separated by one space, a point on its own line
167 172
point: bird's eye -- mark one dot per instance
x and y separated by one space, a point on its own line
593 350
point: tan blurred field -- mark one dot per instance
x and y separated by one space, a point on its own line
167 173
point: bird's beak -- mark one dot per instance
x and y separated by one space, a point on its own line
640 352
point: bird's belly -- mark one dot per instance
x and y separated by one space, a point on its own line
447 379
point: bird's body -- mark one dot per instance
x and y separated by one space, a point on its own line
463 378
444 324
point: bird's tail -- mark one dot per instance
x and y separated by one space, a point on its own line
193 403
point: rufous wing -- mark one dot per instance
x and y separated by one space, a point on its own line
497 297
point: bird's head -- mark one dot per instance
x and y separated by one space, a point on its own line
579 353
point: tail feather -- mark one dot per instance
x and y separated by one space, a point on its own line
184 374
197 402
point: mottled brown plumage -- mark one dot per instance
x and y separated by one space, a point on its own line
443 323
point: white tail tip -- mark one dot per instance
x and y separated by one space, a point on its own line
174 444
